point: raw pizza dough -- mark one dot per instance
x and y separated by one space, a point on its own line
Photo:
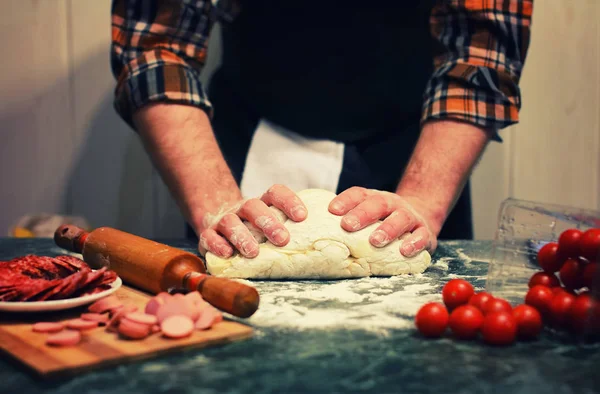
320 248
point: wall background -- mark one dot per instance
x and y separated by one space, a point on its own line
64 150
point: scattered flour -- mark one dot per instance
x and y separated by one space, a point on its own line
371 304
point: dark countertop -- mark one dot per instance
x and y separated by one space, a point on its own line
340 336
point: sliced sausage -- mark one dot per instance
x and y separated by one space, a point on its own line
194 296
177 306
80 324
64 338
118 314
177 326
133 330
153 305
101 318
142 318
105 304
48 326
206 319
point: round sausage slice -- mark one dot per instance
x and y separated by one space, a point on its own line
142 318
133 330
177 326
80 324
48 326
105 304
101 318
64 338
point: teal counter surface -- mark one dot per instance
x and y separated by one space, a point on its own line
336 337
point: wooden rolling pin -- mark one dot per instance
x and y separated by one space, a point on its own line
156 267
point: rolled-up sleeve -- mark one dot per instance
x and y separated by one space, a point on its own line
158 50
483 45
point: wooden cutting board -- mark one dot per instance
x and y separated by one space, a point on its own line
99 348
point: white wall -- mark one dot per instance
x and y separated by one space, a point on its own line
63 149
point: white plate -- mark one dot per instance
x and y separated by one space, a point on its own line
57 305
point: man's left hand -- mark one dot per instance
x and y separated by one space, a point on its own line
362 207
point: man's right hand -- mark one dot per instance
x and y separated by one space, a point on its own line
224 232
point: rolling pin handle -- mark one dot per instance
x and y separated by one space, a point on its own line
230 296
70 237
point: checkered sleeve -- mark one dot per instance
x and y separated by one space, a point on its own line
483 45
158 49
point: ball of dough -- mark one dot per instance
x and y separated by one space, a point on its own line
320 248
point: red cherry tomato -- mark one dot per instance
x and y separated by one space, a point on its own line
496 305
465 321
580 315
529 321
558 289
499 328
548 258
457 292
589 244
478 300
432 319
544 279
540 297
571 274
560 307
591 276
568 243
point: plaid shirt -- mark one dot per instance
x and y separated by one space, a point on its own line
159 48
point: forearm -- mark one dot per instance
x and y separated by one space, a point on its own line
441 164
182 146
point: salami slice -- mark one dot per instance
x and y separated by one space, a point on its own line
73 261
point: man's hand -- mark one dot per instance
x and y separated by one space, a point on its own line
362 207
441 164
225 230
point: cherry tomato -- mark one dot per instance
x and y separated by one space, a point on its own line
457 292
432 319
590 275
559 289
465 321
529 321
544 279
571 274
496 305
548 258
589 244
540 297
568 243
560 307
499 328
478 300
580 315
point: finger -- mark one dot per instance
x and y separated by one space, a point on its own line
367 212
238 234
285 199
347 200
256 212
397 224
419 240
213 242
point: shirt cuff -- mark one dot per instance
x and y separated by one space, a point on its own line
161 82
477 95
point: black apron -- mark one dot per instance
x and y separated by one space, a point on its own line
352 72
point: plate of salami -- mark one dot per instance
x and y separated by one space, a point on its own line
41 283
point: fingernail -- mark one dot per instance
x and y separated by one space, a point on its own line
298 213
408 249
379 238
337 206
224 251
249 249
352 222
279 236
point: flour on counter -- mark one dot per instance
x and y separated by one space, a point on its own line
371 304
